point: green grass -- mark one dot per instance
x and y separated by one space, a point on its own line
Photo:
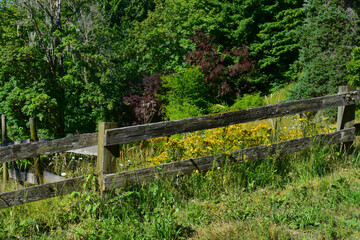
310 195
313 194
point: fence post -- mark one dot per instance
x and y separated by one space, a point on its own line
4 140
106 158
346 118
36 160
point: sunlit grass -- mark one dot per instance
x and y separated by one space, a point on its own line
307 195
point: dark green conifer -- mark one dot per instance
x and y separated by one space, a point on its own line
326 38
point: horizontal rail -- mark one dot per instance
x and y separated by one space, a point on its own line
32 194
153 130
142 132
92 151
206 163
27 150
111 181
24 141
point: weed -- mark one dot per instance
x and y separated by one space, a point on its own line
310 194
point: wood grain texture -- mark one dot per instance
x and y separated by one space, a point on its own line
38 166
346 119
92 151
346 114
4 141
32 194
207 163
148 131
15 152
24 141
106 159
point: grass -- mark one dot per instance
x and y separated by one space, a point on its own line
323 208
314 194
309 195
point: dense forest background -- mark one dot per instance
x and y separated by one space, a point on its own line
72 63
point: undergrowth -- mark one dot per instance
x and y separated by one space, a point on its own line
312 194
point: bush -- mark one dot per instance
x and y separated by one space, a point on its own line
186 95
353 68
248 101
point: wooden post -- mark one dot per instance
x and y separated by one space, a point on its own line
346 118
106 158
36 160
4 140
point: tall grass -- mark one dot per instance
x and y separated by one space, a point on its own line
307 195
274 198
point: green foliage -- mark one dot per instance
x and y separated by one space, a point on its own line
354 68
182 110
302 192
85 87
327 39
248 101
187 95
277 45
23 92
122 14
161 41
74 72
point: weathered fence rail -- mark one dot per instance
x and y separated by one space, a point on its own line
147 131
40 192
142 132
108 140
27 150
143 175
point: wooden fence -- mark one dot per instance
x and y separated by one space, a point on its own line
109 137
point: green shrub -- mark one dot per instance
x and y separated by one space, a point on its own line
353 68
186 95
219 108
248 101
183 110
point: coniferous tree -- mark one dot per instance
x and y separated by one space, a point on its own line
326 38
278 45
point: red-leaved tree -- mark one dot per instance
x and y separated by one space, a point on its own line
146 106
226 71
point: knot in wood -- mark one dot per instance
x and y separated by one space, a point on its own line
350 98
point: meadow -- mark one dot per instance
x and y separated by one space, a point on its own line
312 194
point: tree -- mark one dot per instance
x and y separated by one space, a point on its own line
52 21
326 39
59 66
277 46
354 68
228 72
147 107
161 42
122 14
21 65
